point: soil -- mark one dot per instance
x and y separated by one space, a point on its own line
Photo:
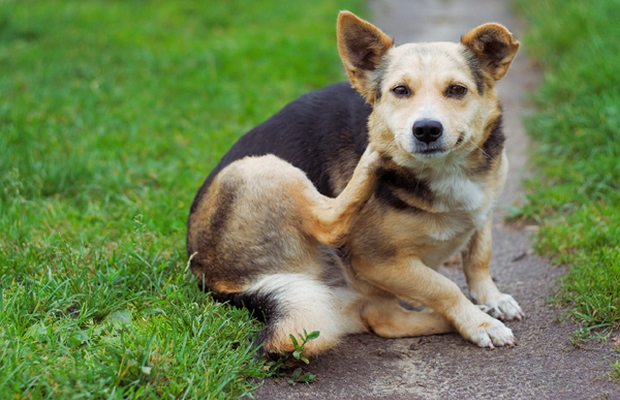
544 364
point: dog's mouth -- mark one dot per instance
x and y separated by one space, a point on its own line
430 152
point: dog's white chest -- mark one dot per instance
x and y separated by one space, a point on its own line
463 206
458 193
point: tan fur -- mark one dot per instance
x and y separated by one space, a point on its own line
392 255
387 318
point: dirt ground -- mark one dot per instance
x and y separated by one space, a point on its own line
543 365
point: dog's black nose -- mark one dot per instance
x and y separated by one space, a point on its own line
427 130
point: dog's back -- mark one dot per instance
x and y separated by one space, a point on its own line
314 133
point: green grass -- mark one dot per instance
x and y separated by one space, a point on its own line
576 196
111 115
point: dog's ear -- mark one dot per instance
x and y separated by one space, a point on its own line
494 46
361 46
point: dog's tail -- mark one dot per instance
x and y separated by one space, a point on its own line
293 303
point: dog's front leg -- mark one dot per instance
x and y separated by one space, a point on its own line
413 281
482 289
331 219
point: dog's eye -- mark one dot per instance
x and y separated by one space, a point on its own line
401 91
456 91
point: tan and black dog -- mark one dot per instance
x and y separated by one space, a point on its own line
339 208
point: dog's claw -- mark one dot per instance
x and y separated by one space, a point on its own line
505 308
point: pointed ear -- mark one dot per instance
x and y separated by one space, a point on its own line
494 46
362 46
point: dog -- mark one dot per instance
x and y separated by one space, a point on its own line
334 214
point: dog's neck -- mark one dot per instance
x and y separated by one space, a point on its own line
435 187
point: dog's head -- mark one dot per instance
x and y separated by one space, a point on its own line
429 99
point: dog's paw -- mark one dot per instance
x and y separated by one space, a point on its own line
503 307
491 333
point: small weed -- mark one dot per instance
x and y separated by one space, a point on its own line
299 346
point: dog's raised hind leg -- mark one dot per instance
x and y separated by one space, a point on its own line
330 219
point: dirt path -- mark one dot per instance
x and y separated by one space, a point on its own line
544 365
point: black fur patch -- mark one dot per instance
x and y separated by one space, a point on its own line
384 194
494 144
262 306
476 70
407 181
